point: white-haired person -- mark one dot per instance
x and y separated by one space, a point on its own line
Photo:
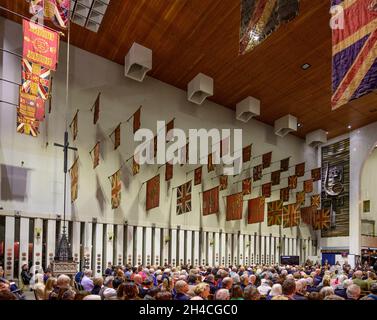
222 294
39 287
300 294
341 290
87 282
353 292
63 289
326 291
276 290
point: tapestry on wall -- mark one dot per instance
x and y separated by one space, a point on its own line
260 18
335 187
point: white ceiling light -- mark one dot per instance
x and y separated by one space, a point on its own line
88 13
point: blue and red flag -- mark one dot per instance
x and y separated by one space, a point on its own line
354 52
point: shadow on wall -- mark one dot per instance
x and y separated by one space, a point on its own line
13 183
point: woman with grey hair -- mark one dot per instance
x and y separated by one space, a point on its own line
326 291
276 290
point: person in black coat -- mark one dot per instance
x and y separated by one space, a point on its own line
25 275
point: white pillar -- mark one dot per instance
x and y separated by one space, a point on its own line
98 250
203 248
157 246
217 248
196 248
173 251
75 245
223 258
268 252
88 245
38 237
181 246
130 245
258 254
9 247
189 247
24 244
51 241
229 249
139 245
148 246
210 246
119 244
272 250
109 244
165 246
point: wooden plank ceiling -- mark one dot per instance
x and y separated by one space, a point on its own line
192 36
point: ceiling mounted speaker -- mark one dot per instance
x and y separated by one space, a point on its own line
316 138
138 62
285 125
200 88
247 109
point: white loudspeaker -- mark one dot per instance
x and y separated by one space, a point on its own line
316 138
285 125
138 62
200 88
247 109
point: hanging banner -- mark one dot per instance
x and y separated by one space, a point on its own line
35 79
116 188
41 45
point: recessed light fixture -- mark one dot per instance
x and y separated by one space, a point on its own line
349 127
306 66
299 125
327 132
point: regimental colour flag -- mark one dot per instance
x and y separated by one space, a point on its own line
307 214
300 198
234 205
31 106
184 198
198 176
41 45
354 51
266 160
35 79
74 173
284 165
117 137
257 172
153 193
135 166
223 182
316 174
137 120
55 10
246 154
74 125
116 187
274 213
300 169
322 219
246 186
169 132
266 190
292 182
95 154
168 171
256 210
291 216
211 201
96 109
284 194
315 200
308 186
275 178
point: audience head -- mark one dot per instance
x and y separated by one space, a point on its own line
353 292
222 294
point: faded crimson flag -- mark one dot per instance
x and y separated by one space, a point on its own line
246 186
315 200
31 106
300 198
41 45
96 109
168 171
291 216
116 188
74 126
210 165
95 154
275 178
234 205
274 213
300 169
137 121
135 166
117 137
284 165
223 182
266 160
316 174
256 210
308 186
74 173
284 194
169 133
292 182
198 176
307 214
266 190
153 193
246 154
211 201
257 172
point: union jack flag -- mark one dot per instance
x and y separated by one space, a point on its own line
274 212
291 216
315 200
354 50
300 198
35 79
322 219
292 182
184 198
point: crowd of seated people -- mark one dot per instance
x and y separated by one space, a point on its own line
256 282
